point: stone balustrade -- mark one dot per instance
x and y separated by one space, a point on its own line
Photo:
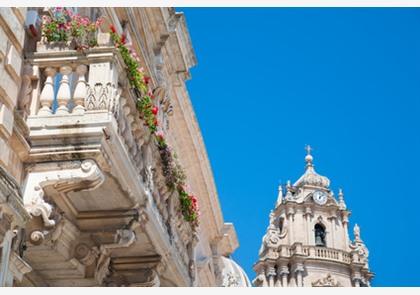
73 82
318 253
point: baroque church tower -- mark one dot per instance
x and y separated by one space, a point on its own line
307 242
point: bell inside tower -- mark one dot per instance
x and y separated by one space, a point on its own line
320 235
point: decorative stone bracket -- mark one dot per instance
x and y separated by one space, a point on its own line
74 172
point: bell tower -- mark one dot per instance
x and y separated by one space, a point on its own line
307 242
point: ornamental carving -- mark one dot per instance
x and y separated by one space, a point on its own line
328 281
100 97
77 173
230 280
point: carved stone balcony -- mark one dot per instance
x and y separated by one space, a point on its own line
320 253
95 176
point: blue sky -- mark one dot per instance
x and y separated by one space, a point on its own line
347 82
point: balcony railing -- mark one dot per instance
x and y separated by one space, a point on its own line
319 253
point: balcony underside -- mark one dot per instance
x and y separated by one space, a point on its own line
91 219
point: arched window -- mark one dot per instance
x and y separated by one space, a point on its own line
320 235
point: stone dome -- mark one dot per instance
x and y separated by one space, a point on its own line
311 177
233 275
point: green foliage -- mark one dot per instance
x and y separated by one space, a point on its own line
174 174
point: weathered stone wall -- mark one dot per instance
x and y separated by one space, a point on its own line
12 36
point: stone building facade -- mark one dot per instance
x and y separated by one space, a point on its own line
307 242
83 195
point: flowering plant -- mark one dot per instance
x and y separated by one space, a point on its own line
138 80
172 170
66 26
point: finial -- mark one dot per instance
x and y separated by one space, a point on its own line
340 194
280 196
308 157
356 232
308 149
341 202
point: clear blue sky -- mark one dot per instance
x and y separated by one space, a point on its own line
346 81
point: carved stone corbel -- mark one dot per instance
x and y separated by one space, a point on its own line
151 279
102 268
72 177
85 254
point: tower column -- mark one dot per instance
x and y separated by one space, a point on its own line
333 219
284 276
308 215
345 216
298 270
271 274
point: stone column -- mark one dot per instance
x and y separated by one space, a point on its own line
308 214
298 270
345 216
356 278
290 221
271 274
284 272
333 229
6 280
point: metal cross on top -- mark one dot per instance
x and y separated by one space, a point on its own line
308 149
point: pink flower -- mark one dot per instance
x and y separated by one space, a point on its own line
146 79
160 135
99 22
140 69
85 21
123 38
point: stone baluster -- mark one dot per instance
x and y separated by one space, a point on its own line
80 91
47 94
64 93
5 276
